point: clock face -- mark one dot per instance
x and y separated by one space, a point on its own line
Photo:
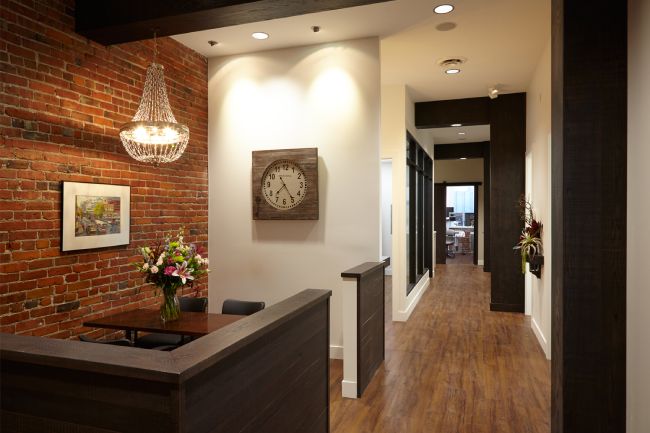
283 184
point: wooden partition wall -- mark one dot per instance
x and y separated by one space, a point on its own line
364 334
265 373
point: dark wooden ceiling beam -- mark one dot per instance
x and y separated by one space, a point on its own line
442 114
120 21
461 150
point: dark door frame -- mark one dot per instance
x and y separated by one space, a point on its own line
473 150
506 116
476 213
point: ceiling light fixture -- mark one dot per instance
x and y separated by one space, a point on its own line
443 9
493 92
315 29
462 158
451 65
461 133
153 135
456 124
260 35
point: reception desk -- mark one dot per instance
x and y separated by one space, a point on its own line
267 372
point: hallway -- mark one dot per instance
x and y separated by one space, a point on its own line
454 367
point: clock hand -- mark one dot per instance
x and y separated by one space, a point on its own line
284 185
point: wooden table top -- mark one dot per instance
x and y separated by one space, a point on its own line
148 320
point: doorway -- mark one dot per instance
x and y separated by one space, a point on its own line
457 215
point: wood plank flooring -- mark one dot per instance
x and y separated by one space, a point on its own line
454 367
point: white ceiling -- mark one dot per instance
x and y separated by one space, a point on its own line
450 135
380 19
502 40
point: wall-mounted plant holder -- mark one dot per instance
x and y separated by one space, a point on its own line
535 265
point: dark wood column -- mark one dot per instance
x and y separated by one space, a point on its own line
507 177
589 215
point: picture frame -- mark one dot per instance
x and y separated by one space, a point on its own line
95 216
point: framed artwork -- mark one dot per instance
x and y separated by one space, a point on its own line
95 215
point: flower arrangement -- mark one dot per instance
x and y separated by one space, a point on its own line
530 239
171 265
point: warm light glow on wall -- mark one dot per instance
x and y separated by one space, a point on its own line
258 111
334 94
268 109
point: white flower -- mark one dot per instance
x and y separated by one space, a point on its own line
154 269
198 257
205 262
145 266
160 259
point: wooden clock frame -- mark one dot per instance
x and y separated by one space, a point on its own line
307 159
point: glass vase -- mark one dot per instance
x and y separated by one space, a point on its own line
170 308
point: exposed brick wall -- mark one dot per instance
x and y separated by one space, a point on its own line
62 101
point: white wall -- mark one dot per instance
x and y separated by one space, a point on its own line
638 209
466 170
538 150
386 208
324 96
397 117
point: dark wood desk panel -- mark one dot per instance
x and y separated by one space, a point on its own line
268 373
190 323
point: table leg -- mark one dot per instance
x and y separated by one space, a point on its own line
131 335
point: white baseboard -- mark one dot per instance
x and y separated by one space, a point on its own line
480 262
336 352
349 389
412 300
540 337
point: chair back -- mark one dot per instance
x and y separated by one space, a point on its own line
118 342
243 308
196 305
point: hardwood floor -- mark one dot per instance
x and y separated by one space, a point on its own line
454 367
461 259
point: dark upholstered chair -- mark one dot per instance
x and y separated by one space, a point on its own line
197 305
243 308
168 341
118 342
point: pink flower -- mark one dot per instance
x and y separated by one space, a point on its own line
169 270
182 272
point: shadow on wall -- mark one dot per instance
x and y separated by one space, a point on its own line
296 230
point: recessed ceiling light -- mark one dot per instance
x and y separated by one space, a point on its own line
452 71
461 133
456 124
443 9
462 158
260 35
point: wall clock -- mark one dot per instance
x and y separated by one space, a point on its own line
285 184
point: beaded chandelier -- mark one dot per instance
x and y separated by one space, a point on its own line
153 135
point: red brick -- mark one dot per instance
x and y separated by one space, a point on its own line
65 129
